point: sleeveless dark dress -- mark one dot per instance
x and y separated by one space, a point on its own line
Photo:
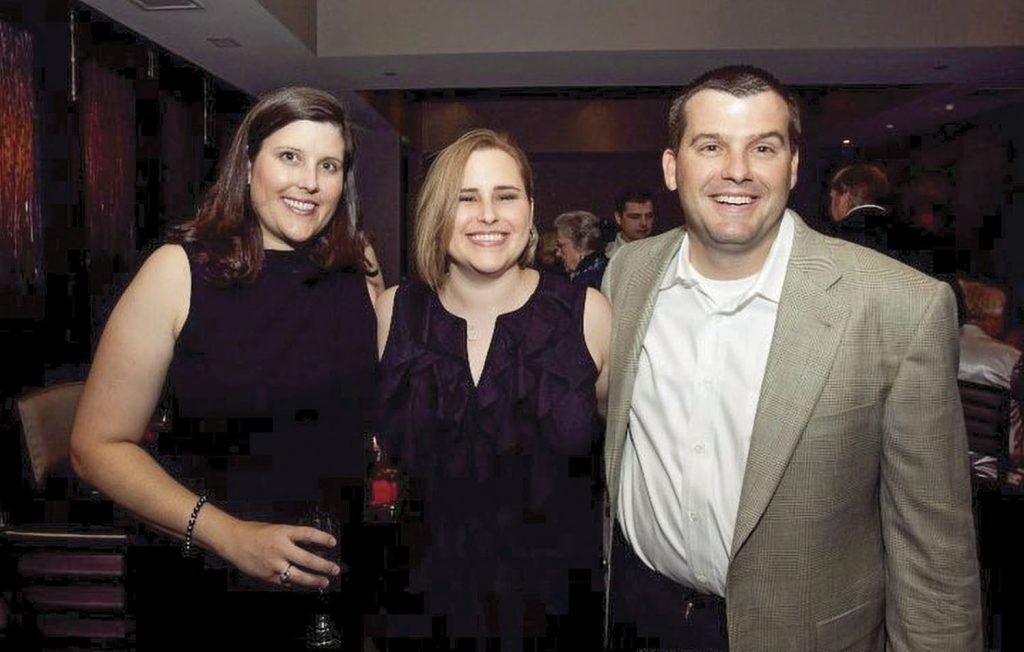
508 470
273 384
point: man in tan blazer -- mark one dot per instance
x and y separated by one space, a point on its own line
786 458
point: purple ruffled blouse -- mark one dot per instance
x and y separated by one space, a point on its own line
509 468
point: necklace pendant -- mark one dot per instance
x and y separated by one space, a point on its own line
471 334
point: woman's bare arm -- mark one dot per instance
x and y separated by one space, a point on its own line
385 306
120 395
597 331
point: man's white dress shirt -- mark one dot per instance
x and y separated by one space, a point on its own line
692 412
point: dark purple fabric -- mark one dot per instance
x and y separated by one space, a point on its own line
273 384
509 468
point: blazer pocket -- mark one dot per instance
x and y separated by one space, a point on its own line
823 414
857 625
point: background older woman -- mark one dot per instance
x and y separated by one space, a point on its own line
492 373
581 248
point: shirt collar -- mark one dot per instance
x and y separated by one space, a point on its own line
770 278
874 206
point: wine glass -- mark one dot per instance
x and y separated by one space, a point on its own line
322 632
162 422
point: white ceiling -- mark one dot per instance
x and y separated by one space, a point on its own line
344 45
962 58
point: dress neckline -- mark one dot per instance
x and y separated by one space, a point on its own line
436 298
461 326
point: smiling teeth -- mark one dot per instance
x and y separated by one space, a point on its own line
300 205
487 237
734 200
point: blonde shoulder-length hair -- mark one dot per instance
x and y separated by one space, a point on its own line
439 200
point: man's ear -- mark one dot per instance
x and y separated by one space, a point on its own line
794 165
668 167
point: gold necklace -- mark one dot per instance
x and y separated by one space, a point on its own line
473 332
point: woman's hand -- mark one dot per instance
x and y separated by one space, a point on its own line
272 553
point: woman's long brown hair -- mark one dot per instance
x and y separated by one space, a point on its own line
226 231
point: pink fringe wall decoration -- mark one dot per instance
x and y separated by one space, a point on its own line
107 111
20 218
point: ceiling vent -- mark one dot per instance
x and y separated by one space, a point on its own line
166 5
224 42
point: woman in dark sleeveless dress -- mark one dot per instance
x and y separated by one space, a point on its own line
260 314
491 376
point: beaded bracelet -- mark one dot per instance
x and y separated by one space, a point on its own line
187 549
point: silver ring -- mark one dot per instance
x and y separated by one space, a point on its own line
283 575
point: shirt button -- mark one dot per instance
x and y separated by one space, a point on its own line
703 579
693 516
699 448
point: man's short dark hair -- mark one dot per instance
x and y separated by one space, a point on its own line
634 194
866 183
738 81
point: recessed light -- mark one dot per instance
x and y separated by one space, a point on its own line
224 42
950 107
166 5
846 141
890 126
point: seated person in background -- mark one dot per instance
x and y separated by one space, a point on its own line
983 358
579 239
634 214
854 196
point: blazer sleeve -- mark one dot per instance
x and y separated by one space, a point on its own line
610 279
932 585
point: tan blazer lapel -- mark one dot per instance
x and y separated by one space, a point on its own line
808 331
633 304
